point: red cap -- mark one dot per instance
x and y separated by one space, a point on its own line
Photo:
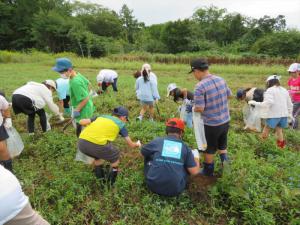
175 122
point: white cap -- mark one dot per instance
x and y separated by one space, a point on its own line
51 83
146 66
273 77
294 68
170 88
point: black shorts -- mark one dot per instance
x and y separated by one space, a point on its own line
3 133
216 137
107 152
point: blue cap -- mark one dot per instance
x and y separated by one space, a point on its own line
240 93
121 111
62 64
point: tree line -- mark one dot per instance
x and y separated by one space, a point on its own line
91 30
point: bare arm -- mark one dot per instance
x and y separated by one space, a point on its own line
194 170
130 143
85 122
82 104
198 109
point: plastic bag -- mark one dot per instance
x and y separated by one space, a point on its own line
199 131
83 157
252 118
182 111
14 143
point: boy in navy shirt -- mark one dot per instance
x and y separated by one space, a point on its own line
169 161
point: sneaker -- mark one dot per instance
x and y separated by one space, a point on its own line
31 134
151 120
139 118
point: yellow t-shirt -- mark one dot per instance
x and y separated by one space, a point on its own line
102 130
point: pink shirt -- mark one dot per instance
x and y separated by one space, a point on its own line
294 84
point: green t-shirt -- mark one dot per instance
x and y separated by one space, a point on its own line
79 90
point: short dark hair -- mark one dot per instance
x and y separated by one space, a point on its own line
272 83
173 130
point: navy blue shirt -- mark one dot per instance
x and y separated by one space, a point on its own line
166 163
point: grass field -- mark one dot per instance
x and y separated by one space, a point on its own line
261 186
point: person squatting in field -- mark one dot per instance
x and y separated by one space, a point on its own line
81 100
277 108
251 114
63 96
188 100
31 99
168 161
5 123
147 94
211 100
294 90
15 208
97 138
106 78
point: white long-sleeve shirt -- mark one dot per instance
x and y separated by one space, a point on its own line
12 198
39 94
3 106
277 103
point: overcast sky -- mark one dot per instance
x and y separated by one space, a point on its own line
160 11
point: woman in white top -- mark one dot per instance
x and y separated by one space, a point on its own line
15 208
105 78
5 123
276 109
31 99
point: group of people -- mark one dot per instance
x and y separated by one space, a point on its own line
278 106
168 161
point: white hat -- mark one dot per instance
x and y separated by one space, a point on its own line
146 66
170 88
294 68
273 77
51 83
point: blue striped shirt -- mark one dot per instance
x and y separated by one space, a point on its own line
212 94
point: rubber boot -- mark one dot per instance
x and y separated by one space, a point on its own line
99 172
67 111
7 164
224 159
112 176
280 144
208 169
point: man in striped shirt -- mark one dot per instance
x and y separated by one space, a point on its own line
211 100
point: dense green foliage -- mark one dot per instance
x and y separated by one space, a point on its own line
91 30
261 185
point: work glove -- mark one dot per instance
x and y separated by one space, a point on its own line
138 144
76 114
156 101
291 119
8 123
252 102
189 108
196 153
60 117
